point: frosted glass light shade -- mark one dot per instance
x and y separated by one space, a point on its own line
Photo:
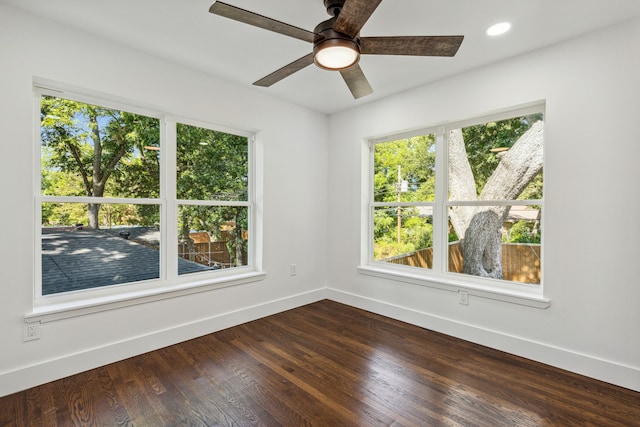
336 57
336 54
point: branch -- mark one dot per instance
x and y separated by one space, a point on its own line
518 167
97 153
83 172
112 164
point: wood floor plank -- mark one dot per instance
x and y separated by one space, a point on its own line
379 369
324 364
351 381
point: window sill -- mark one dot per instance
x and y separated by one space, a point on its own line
520 297
53 312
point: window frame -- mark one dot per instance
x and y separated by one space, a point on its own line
439 276
170 283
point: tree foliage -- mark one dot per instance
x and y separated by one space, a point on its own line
93 151
499 160
213 165
522 232
100 148
480 140
411 160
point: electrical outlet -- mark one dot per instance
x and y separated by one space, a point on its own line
463 297
31 331
292 270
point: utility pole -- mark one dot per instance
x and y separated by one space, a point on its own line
399 188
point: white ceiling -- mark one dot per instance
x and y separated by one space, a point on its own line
185 32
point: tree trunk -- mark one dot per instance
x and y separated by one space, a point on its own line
93 211
97 189
482 246
479 227
185 233
239 247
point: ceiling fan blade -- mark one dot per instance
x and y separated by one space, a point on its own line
353 16
356 81
247 17
411 45
285 71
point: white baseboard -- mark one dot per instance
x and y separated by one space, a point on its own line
70 364
51 370
583 364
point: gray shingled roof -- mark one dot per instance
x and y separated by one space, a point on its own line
81 259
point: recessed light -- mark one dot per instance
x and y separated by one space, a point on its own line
499 28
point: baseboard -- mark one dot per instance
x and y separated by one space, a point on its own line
583 364
51 370
54 369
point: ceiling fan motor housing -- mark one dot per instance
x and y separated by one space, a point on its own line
327 37
333 6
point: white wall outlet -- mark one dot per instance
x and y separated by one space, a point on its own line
463 297
292 270
31 331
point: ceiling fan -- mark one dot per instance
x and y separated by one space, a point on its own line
336 42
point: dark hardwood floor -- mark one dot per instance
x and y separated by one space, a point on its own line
324 364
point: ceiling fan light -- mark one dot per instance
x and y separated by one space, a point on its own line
336 54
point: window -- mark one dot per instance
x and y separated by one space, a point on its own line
136 198
403 200
213 189
461 203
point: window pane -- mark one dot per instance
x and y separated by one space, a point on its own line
403 235
500 160
124 249
211 165
214 237
499 242
88 150
404 170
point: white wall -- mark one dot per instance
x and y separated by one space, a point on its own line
591 200
592 205
293 141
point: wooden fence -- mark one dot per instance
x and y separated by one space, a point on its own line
520 261
212 254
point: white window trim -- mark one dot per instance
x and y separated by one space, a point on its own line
53 307
437 277
64 310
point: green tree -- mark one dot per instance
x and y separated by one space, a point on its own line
483 141
416 159
89 143
522 232
474 175
402 230
213 165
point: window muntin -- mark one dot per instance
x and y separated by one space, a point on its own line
134 212
492 171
